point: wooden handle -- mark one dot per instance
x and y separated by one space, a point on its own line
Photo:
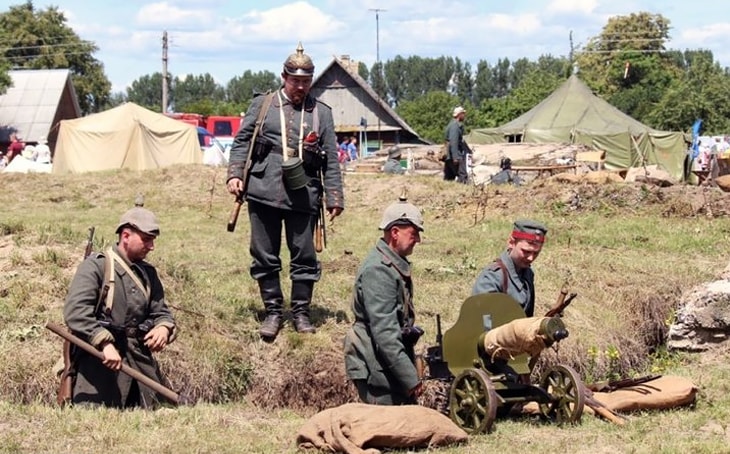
318 237
233 219
169 394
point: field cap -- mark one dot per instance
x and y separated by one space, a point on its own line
401 213
299 63
458 110
140 219
525 229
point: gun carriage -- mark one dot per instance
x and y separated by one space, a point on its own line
481 385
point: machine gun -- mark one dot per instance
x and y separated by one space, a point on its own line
437 368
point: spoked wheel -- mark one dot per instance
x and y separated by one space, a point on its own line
473 401
567 394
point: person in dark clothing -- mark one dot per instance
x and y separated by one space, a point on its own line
293 164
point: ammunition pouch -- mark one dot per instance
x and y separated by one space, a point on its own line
411 334
261 149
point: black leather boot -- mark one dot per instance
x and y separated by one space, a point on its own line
301 297
273 299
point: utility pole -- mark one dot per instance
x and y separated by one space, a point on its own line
377 60
164 71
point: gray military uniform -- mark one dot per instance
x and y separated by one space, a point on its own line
393 166
376 355
520 285
269 200
457 151
95 383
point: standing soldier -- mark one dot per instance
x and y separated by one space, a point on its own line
282 175
455 166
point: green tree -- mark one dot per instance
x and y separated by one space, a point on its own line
484 86
429 114
40 39
241 89
190 89
701 92
147 91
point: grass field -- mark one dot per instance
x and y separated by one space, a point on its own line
628 251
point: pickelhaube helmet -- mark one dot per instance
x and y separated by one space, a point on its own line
299 63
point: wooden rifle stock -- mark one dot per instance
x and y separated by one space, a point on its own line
233 218
561 303
169 394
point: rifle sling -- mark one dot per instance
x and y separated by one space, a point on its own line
106 296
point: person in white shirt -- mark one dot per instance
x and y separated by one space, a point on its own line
42 152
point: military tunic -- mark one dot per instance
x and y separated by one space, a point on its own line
270 201
520 284
393 166
95 383
375 351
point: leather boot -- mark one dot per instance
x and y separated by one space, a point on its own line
301 297
273 299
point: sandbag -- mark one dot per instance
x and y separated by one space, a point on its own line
658 394
357 428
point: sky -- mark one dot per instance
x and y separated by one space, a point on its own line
227 37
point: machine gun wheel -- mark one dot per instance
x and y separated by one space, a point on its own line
473 401
567 394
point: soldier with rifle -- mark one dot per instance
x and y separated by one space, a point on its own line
284 164
116 303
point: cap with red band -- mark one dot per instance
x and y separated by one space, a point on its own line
528 230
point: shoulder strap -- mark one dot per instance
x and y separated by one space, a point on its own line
501 265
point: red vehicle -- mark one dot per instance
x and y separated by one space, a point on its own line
223 128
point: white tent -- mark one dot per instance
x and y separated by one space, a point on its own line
21 164
125 137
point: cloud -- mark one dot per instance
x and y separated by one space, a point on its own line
292 22
165 15
572 6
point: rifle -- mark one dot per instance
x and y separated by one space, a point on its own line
320 231
233 218
64 394
169 394
613 385
89 242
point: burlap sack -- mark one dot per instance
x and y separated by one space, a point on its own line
659 394
357 428
514 338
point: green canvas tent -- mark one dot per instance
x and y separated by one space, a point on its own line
573 114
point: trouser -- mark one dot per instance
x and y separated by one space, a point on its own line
265 244
381 396
450 170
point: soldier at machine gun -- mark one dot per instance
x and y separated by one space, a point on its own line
511 272
379 347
